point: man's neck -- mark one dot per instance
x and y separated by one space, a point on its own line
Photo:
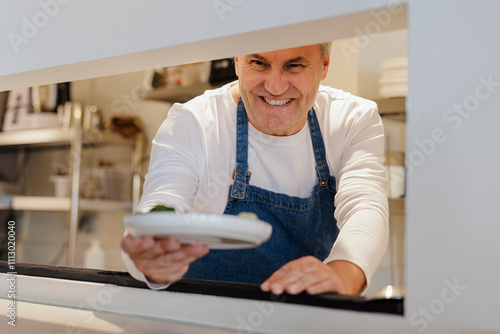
235 92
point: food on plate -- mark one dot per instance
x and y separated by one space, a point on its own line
249 215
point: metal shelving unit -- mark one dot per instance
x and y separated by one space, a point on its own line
76 140
52 203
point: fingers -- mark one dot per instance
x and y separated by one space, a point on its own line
305 274
162 260
170 267
314 282
289 274
148 247
185 255
324 286
179 261
133 245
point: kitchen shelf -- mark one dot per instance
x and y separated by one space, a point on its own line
51 203
57 137
39 203
105 205
178 94
36 137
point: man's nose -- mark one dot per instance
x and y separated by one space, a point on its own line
276 82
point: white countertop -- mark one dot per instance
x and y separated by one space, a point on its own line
41 318
106 308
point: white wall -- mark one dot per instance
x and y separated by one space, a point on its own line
343 70
453 223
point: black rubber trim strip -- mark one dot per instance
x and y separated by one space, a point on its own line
206 287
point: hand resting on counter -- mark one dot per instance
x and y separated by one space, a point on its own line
314 277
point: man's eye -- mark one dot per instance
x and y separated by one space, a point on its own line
259 65
295 67
257 62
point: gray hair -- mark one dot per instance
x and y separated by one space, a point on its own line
325 49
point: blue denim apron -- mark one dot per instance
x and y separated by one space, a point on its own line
301 226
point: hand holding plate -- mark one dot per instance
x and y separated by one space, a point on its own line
162 260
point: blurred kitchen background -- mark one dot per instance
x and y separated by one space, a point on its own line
73 155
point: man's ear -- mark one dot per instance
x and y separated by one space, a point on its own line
236 65
326 65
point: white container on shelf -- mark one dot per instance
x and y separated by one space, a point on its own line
393 80
62 185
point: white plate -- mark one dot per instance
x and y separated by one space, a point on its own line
216 231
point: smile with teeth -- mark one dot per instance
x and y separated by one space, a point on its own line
276 102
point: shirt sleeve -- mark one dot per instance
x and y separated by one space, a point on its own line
173 174
361 202
174 171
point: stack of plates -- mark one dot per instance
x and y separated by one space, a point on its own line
395 181
394 77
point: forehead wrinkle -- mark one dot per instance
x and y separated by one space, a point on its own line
256 55
289 61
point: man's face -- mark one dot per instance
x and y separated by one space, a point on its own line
278 88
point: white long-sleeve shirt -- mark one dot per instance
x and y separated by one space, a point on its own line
193 158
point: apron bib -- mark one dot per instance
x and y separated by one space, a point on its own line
301 226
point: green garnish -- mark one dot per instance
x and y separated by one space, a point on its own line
161 208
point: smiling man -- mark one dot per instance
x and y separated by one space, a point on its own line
311 159
279 88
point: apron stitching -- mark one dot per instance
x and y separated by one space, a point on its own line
280 206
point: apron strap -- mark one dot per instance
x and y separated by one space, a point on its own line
322 168
241 134
241 175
